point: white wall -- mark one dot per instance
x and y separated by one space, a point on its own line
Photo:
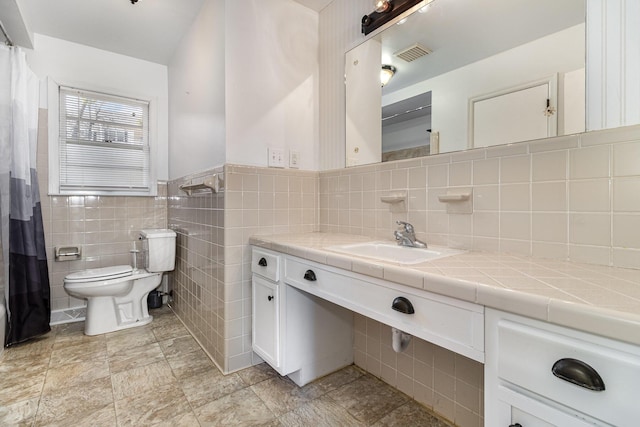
197 95
613 63
271 81
90 68
527 63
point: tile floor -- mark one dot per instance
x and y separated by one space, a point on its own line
158 375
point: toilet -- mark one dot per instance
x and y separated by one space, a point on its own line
117 296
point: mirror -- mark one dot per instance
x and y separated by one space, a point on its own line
467 74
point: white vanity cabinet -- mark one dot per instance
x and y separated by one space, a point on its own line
296 333
266 297
539 374
447 322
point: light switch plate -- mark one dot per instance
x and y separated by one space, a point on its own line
276 158
294 159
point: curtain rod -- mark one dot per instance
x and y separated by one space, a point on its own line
6 36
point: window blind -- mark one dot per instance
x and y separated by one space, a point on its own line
103 144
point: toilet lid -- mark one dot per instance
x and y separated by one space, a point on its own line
104 273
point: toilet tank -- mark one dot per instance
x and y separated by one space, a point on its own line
159 248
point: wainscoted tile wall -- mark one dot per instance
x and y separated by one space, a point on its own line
258 201
573 197
212 280
105 226
446 382
198 279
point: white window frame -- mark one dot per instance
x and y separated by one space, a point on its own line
53 103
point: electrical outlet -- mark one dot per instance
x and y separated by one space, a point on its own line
276 158
294 159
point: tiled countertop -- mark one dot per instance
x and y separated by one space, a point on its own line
597 299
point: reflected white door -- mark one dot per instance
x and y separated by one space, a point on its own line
514 116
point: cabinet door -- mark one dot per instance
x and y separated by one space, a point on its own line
266 321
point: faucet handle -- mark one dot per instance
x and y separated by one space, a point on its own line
407 227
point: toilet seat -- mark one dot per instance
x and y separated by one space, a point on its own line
99 274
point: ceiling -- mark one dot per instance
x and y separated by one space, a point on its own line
149 30
459 32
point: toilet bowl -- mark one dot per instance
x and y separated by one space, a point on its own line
117 295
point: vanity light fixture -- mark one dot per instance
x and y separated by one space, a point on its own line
386 73
385 11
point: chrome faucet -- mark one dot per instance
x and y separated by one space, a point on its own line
407 236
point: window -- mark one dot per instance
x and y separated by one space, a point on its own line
103 145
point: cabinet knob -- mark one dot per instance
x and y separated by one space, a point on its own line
270 297
262 262
403 305
516 425
310 276
579 373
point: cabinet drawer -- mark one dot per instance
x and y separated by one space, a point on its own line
456 325
266 264
526 356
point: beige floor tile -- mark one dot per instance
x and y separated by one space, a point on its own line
105 417
257 373
75 402
72 353
189 364
157 375
368 399
209 386
179 345
129 358
333 381
20 413
242 408
75 374
188 419
411 413
129 338
167 330
281 395
161 405
35 349
141 379
73 333
22 379
320 412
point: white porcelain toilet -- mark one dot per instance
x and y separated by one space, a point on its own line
117 296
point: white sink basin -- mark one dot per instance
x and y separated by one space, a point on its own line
391 252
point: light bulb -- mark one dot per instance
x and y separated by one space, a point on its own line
386 73
382 5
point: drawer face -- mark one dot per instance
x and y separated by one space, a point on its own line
454 327
266 264
526 356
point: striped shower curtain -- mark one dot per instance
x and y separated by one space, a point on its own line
25 272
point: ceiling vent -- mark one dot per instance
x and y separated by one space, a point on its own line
412 52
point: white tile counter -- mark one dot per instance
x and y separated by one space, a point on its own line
597 299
